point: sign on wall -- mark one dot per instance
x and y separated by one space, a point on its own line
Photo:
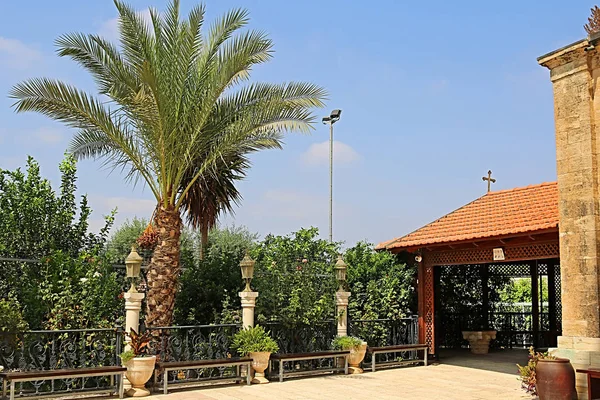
499 254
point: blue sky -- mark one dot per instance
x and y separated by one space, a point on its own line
433 95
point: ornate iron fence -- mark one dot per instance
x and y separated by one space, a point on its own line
302 338
194 342
46 350
78 348
387 332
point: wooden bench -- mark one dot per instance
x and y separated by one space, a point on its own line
165 367
397 349
593 382
333 354
30 376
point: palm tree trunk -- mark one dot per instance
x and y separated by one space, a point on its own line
164 269
203 240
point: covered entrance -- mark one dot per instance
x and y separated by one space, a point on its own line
492 264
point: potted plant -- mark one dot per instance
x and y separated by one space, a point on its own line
547 376
140 365
357 348
257 344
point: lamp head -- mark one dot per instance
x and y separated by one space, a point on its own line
247 267
340 271
133 263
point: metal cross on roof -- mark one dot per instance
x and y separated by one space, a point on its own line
489 180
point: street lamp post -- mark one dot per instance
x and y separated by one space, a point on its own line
331 119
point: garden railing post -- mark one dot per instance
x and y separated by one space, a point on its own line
248 304
133 306
341 302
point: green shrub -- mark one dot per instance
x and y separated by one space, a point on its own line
253 340
11 319
127 356
345 343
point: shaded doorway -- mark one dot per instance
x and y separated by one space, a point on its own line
520 300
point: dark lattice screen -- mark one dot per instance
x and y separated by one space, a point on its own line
460 303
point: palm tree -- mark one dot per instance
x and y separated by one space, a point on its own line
214 193
173 109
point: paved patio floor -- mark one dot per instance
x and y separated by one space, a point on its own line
459 376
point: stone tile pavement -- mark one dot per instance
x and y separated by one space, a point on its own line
466 378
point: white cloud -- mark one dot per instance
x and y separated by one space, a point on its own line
110 29
16 54
318 154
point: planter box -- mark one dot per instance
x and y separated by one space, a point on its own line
479 341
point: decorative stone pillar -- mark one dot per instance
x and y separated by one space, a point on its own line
133 306
341 303
248 304
574 72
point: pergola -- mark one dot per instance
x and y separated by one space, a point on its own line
497 230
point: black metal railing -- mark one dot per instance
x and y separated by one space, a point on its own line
194 342
385 332
513 329
79 348
47 350
302 338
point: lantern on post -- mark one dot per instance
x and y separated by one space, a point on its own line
247 267
133 265
340 272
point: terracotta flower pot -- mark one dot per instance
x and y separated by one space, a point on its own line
260 362
555 380
357 355
139 371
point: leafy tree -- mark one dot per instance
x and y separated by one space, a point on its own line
519 291
216 279
294 276
213 194
79 292
11 318
120 242
36 220
175 108
382 287
35 223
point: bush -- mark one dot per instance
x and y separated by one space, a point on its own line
295 279
382 287
346 343
253 340
38 223
11 319
210 284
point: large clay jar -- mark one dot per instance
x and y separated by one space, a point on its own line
555 380
260 362
139 371
357 355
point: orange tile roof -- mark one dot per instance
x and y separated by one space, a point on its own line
506 212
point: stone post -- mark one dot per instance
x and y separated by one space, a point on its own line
133 306
341 303
574 72
248 304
